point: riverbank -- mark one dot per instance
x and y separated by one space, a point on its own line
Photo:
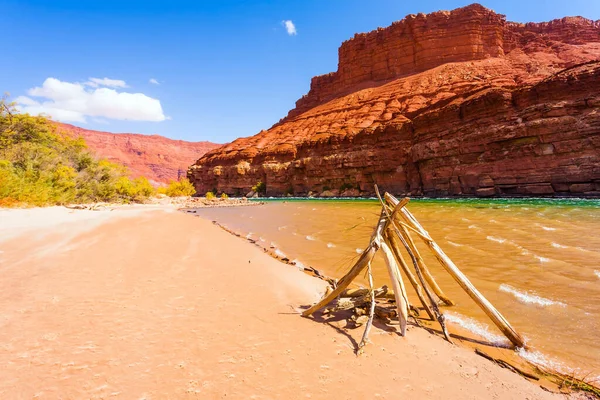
146 302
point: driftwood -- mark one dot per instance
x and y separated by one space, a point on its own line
398 286
411 278
507 365
365 336
394 228
365 258
460 278
411 252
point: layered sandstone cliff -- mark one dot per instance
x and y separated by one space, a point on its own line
450 103
156 157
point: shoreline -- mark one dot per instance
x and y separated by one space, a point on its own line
137 303
502 354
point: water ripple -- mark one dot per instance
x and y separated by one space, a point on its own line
528 298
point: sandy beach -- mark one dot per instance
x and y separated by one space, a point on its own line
150 303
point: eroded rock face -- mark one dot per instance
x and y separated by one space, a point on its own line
156 157
450 103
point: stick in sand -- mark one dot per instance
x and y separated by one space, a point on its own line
411 278
398 286
438 314
365 336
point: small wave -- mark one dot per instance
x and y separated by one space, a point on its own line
249 235
465 220
547 228
493 221
314 209
454 244
540 359
496 239
359 250
542 259
280 253
528 298
262 239
281 228
473 226
476 327
597 273
308 237
330 245
558 246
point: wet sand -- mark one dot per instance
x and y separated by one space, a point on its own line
140 303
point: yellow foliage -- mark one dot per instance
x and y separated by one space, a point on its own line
182 187
41 166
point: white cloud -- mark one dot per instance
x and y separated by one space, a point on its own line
289 27
154 81
116 83
73 102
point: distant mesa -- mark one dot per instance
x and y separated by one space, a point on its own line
156 157
452 103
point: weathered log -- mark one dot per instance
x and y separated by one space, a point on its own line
379 292
404 237
411 278
398 285
426 273
460 278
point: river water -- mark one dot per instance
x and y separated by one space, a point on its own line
537 261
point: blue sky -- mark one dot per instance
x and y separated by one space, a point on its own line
225 68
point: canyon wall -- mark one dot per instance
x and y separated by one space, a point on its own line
450 103
156 157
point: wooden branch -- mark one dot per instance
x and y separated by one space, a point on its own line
365 336
460 278
365 258
406 240
507 365
360 265
394 245
398 286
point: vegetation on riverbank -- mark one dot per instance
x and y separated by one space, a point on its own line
40 166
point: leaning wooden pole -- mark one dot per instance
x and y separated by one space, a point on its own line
462 280
404 237
426 273
360 265
365 258
398 286
411 278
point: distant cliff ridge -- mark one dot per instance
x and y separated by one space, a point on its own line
156 157
450 103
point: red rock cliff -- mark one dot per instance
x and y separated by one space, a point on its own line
156 157
450 103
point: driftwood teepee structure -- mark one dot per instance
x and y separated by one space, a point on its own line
393 236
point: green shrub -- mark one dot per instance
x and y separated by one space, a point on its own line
224 196
209 195
182 187
40 165
260 187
